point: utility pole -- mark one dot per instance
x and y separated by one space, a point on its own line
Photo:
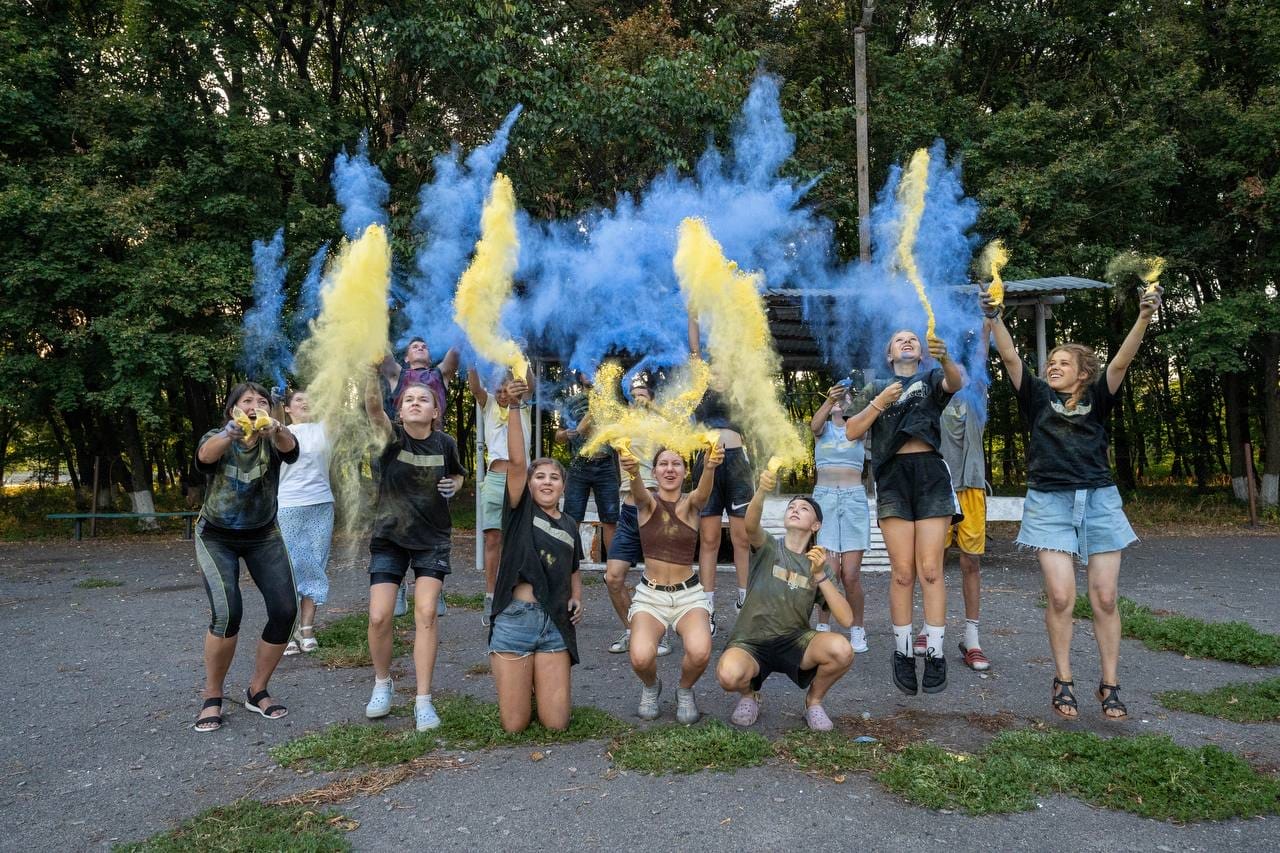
860 104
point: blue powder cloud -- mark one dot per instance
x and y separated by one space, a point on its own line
265 355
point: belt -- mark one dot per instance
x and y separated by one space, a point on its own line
689 583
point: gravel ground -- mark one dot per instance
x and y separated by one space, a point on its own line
102 685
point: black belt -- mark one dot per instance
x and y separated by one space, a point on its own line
690 583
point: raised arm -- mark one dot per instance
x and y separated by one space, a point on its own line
449 365
477 388
755 509
858 425
390 369
702 492
373 404
819 422
639 494
1124 356
1004 341
518 466
952 377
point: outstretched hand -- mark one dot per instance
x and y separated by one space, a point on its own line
714 457
768 481
1152 299
938 349
517 389
990 308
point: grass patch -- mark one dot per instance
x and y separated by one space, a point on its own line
465 723
464 601
345 642
98 583
1253 702
592 579
468 723
1233 642
688 749
249 825
1148 775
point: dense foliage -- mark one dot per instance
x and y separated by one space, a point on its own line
143 145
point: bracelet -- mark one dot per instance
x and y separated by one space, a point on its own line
877 408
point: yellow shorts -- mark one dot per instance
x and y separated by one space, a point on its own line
970 534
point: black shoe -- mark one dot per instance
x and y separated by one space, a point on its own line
935 674
904 673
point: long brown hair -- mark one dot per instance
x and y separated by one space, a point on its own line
1088 365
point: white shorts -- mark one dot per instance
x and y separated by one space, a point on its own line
667 607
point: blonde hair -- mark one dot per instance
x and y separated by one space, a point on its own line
1088 365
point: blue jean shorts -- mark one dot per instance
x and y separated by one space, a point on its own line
524 628
626 540
1084 522
846 520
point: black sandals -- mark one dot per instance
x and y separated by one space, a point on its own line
270 712
1109 696
1062 698
214 721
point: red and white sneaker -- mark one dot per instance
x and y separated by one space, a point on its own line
975 659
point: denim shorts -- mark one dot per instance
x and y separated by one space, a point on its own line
1084 522
626 540
524 628
593 475
846 520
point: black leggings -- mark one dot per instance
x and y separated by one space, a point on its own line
218 552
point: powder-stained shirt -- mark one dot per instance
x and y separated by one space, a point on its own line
713 411
576 408
781 593
429 376
543 552
1068 447
241 491
962 431
913 415
411 512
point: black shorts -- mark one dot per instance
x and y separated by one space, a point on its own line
626 539
780 654
733 489
914 486
388 562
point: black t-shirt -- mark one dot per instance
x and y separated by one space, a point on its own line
241 494
1068 448
916 414
714 412
411 512
543 552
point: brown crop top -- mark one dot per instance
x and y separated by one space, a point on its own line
665 537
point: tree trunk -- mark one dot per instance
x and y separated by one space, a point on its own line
140 494
1235 396
7 423
1271 418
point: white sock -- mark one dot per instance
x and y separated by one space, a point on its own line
381 682
422 699
971 634
934 633
902 638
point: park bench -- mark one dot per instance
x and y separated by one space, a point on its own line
78 519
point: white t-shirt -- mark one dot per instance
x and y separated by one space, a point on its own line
306 482
495 431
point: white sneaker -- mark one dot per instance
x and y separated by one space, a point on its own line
858 639
486 612
402 602
664 647
441 607
649 701
622 644
380 700
822 626
424 714
686 706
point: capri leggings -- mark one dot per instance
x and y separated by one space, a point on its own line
218 552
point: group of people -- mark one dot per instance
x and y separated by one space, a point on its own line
268 503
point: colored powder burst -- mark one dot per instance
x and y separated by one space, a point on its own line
449 219
266 350
309 296
348 338
992 260
728 303
361 190
911 193
664 423
486 285
1146 267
